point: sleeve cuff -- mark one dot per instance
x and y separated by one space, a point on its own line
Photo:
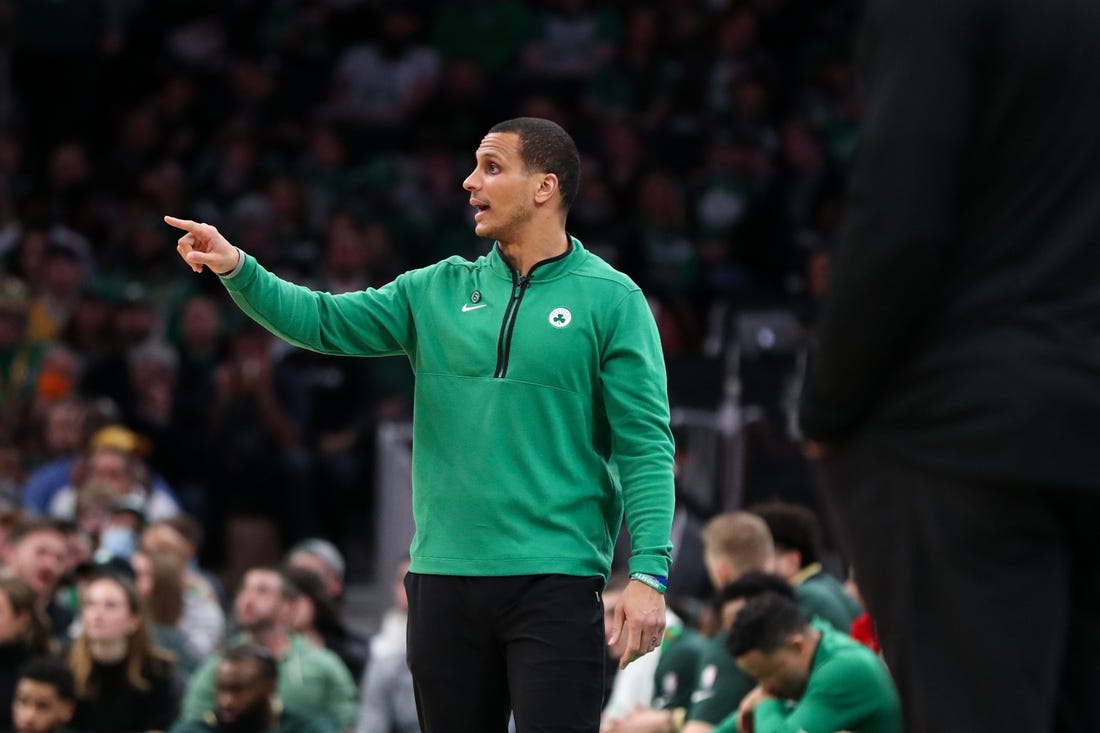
236 270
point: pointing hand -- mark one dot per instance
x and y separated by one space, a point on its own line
204 245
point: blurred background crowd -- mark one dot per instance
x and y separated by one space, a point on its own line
330 138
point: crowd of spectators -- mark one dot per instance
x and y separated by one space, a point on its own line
149 641
330 139
165 436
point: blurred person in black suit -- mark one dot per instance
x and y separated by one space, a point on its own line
954 397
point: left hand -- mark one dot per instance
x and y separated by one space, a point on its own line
748 706
640 616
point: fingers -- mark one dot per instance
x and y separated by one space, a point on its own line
617 625
185 245
185 224
642 638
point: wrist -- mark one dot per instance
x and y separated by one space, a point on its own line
676 719
655 582
233 271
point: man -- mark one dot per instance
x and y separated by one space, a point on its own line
810 677
322 557
45 697
796 533
538 368
718 683
735 543
36 553
312 681
246 700
111 464
956 386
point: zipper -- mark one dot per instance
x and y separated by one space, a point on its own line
504 342
519 287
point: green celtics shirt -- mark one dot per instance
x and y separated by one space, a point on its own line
820 595
720 684
674 679
849 689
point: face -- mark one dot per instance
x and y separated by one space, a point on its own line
143 574
63 426
303 614
717 569
501 190
260 602
12 624
782 673
39 559
787 563
240 691
730 609
318 566
110 468
37 708
106 612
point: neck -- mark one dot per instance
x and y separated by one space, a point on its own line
534 246
108 651
275 639
814 638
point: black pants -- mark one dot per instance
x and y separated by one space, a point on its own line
986 598
482 647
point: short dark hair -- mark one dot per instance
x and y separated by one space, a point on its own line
764 625
263 658
51 671
750 585
32 526
546 147
793 527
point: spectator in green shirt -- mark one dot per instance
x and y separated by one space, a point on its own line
246 700
312 680
810 678
796 533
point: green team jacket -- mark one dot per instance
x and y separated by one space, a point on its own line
540 409
849 689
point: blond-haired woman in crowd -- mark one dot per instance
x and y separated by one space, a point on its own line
124 682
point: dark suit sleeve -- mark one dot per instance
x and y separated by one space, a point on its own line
916 75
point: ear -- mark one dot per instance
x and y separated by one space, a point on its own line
548 184
797 642
66 711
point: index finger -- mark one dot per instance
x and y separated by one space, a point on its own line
185 224
633 645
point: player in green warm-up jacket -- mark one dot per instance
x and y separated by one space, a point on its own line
810 677
540 418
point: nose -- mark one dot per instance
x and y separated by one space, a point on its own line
470 183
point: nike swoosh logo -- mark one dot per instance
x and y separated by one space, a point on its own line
466 307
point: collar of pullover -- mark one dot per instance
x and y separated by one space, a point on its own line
550 269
